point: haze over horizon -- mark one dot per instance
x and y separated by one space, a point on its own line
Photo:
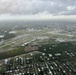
37 10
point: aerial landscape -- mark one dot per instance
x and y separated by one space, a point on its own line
36 40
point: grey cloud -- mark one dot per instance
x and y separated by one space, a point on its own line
55 7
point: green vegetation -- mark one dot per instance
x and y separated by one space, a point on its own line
8 36
11 53
53 48
5 47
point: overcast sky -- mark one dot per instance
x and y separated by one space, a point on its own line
37 9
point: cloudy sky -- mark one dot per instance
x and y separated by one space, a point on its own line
37 9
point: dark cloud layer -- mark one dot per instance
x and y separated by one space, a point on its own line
24 7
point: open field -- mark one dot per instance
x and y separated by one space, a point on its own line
26 36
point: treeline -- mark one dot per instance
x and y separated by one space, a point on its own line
11 53
8 36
